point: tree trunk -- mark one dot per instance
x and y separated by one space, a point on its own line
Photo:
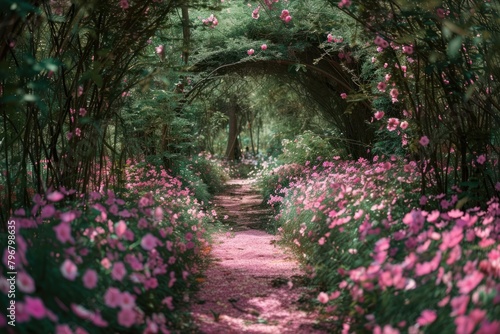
233 147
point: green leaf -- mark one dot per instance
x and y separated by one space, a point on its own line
454 47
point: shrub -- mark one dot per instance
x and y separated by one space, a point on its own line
108 264
388 260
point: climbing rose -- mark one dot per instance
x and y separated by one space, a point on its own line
392 124
250 52
381 86
329 38
343 96
263 47
403 125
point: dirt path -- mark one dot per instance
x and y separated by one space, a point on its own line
252 286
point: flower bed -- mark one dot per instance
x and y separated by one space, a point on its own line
387 260
108 264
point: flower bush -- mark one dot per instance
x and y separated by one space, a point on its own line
108 264
203 174
386 259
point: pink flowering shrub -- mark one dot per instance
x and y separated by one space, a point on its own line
388 261
107 265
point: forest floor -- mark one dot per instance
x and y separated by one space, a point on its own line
252 285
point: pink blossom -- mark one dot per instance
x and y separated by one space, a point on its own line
149 242
481 159
459 305
329 38
126 317
169 302
403 125
323 297
127 300
464 325
112 297
90 279
25 283
394 94
69 270
263 47
379 115
288 19
424 141
470 282
250 52
120 228
55 196
392 124
344 3
83 112
343 96
63 329
427 317
63 233
34 307
381 86
118 272
124 4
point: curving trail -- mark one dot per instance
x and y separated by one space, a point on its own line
252 285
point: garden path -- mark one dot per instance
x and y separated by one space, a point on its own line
252 285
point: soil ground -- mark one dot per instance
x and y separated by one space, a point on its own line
252 285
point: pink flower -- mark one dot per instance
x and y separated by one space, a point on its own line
464 325
55 196
263 47
35 307
343 96
126 317
403 125
459 305
426 317
250 52
124 4
149 242
63 233
83 112
481 159
344 3
323 297
63 329
118 272
127 300
379 115
25 283
90 279
470 282
120 228
288 19
392 124
329 38
47 211
424 141
169 302
408 49
112 297
69 270
381 86
284 13
394 94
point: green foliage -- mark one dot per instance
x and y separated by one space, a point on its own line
306 148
